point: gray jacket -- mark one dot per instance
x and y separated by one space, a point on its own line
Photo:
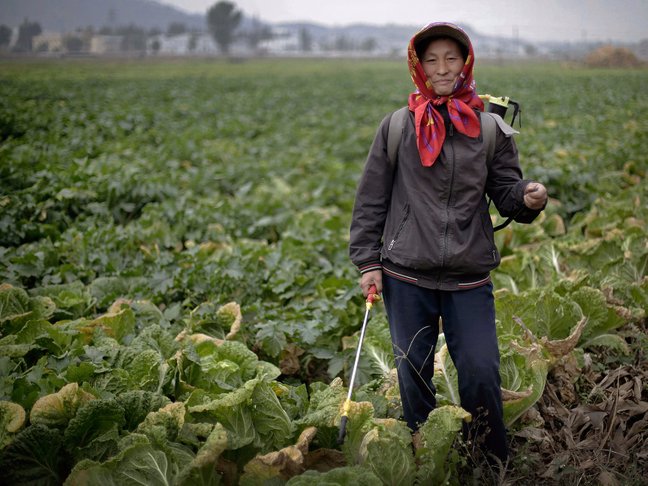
430 225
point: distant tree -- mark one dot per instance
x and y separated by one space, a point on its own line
192 43
5 36
305 40
176 28
154 31
106 30
26 33
155 46
257 33
530 50
222 21
368 45
343 43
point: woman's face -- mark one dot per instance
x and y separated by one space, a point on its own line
442 62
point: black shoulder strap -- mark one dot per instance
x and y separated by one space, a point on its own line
489 133
396 126
490 122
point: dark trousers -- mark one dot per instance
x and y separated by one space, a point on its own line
468 321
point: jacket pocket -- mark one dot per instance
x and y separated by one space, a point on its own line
487 228
393 241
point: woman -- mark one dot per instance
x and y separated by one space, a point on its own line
422 234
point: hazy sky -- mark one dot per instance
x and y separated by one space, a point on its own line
625 20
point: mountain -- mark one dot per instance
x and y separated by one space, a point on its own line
68 15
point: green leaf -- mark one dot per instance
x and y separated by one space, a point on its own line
93 433
155 337
106 290
389 456
360 421
600 318
524 372
10 348
542 311
325 406
138 404
232 410
41 333
36 456
293 399
57 409
117 324
445 377
147 371
270 420
12 419
355 475
271 338
227 365
437 436
15 304
613 341
215 320
17 308
202 469
164 424
138 465
72 300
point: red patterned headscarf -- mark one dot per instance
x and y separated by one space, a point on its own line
430 129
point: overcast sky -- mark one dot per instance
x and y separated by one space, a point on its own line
624 20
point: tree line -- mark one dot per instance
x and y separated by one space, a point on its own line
223 22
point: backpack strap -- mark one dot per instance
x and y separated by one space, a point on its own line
489 133
394 135
490 122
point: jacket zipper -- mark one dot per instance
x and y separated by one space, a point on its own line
400 228
452 174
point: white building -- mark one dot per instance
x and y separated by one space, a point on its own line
48 42
106 44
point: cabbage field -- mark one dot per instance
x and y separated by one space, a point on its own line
177 306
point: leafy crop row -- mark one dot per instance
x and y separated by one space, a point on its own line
176 301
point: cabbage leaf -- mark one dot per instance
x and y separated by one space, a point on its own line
35 457
57 409
356 475
437 436
93 433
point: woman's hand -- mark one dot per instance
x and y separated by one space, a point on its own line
535 196
371 278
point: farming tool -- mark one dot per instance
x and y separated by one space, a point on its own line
372 297
499 105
